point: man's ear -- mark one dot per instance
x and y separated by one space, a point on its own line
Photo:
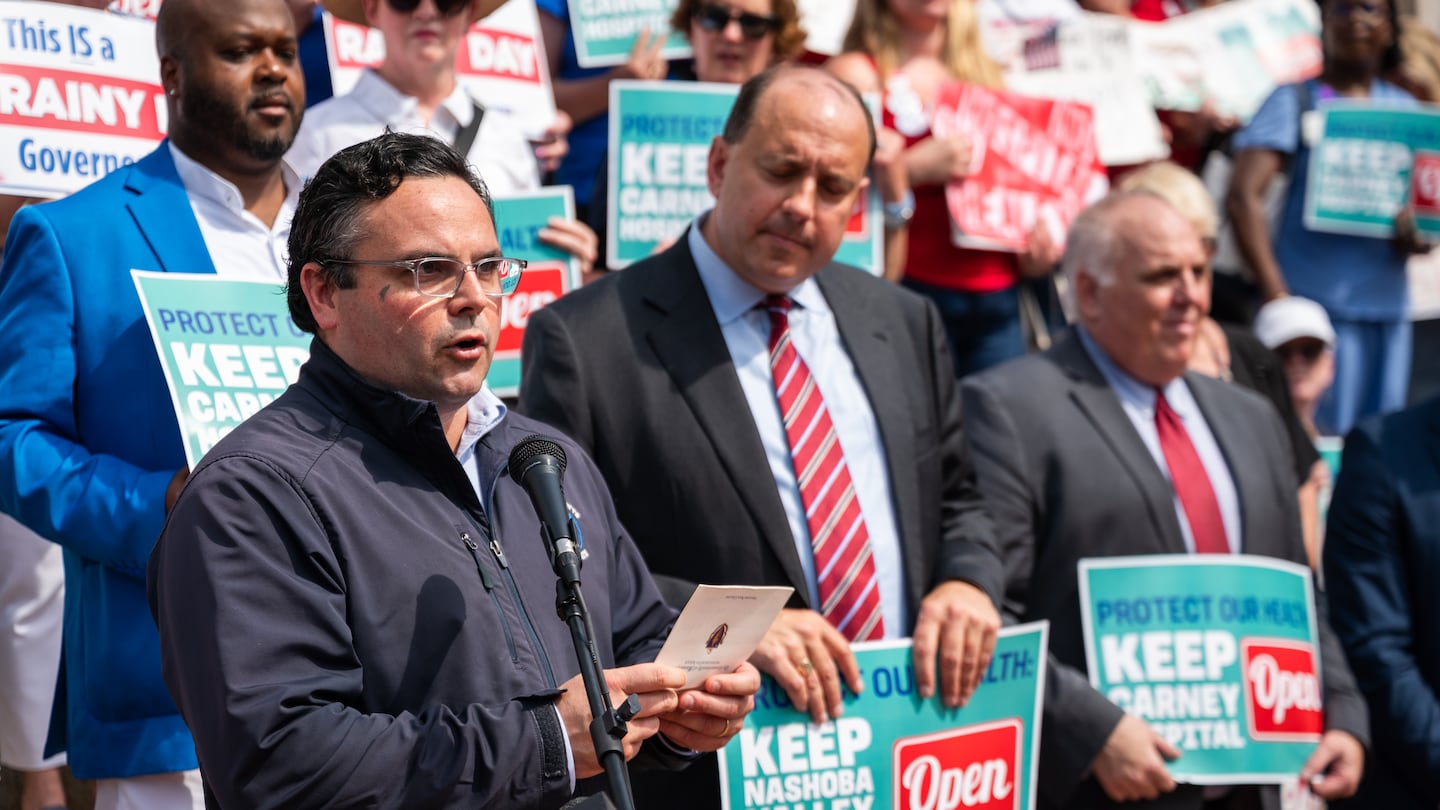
320 290
170 76
715 164
1087 296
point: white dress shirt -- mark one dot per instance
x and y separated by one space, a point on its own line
817 340
500 153
240 245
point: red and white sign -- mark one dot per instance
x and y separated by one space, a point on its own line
972 767
502 62
1283 698
540 285
80 96
1425 183
1034 160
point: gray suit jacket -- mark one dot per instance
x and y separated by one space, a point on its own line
1066 477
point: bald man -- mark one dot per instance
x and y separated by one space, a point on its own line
665 373
90 451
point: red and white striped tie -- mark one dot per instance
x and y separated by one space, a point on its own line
844 567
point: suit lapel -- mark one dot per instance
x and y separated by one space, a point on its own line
1245 468
872 350
162 212
687 340
1092 394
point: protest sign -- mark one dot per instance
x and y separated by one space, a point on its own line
1035 160
1425 192
551 273
660 134
1218 653
605 30
1231 55
1360 172
80 96
892 749
501 62
1087 59
228 348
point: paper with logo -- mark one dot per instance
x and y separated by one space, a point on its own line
605 30
1360 171
1035 160
660 134
719 628
1218 653
890 748
550 273
501 62
228 348
80 96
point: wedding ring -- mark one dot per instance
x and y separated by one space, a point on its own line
725 730
807 667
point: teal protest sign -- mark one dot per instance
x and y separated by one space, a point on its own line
660 134
1218 653
892 749
605 30
227 348
1360 171
550 273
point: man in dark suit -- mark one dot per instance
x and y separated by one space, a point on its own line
1382 562
664 372
1073 463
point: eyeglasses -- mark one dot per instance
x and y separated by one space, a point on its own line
448 8
716 18
439 277
1307 350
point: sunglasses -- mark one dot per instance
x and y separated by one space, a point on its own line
1307 350
716 18
448 8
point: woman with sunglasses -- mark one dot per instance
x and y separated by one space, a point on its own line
1361 281
415 89
905 50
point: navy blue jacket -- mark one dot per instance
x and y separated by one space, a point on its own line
344 623
1382 571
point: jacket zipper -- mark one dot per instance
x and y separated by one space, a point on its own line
489 583
510 579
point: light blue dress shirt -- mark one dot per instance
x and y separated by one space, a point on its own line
817 340
1138 401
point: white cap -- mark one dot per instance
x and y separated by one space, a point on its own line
1291 317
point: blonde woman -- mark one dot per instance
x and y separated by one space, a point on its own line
905 50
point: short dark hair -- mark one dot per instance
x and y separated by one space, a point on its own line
327 219
743 113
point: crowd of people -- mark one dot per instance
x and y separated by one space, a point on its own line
344 604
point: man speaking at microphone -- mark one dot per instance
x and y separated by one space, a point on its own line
356 607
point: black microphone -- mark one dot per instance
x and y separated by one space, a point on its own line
537 463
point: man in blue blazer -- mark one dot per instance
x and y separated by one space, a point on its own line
90 451
1382 563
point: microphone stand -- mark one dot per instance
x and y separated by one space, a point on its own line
608 727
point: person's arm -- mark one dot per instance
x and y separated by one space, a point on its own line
251 601
1081 723
587 97
99 506
1368 576
1253 172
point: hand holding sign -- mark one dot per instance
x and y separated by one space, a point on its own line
807 657
1132 763
1333 771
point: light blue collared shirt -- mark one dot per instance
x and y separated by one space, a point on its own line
816 338
1138 401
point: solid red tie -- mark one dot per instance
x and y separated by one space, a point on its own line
844 567
1192 484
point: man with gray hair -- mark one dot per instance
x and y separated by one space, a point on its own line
1104 445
